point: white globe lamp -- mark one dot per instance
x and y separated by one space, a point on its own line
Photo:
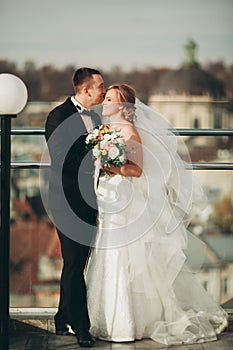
13 94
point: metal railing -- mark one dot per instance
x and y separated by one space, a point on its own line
178 131
37 312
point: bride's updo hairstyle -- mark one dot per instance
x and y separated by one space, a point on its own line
127 96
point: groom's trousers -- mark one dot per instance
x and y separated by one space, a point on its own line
72 307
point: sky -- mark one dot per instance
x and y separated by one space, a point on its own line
131 34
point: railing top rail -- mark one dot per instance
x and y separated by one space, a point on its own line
193 165
178 131
25 131
203 132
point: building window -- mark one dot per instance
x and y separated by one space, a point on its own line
225 285
217 119
196 123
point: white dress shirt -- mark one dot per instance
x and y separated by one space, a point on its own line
86 118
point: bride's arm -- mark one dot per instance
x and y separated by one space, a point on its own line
134 155
129 170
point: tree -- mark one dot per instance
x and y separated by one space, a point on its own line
49 83
8 67
31 77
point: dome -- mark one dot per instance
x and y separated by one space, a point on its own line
190 79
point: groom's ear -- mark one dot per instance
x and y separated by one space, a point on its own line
85 90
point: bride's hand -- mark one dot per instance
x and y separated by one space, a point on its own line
109 173
110 170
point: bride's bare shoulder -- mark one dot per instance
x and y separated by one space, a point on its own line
131 132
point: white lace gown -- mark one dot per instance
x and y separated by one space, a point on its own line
140 285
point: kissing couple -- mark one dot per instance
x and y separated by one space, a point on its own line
121 197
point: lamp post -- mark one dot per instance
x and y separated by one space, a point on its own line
13 98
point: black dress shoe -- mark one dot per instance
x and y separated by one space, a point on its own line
62 332
85 340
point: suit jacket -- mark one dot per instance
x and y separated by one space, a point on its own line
71 162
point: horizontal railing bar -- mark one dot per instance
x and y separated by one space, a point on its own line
179 131
22 132
212 166
203 132
29 165
193 165
33 313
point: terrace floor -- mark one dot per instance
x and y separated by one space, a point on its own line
31 331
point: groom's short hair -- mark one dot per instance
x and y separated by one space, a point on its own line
83 75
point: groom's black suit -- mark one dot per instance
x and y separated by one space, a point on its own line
77 184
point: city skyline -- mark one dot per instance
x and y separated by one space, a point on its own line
132 34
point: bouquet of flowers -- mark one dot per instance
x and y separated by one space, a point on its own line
108 146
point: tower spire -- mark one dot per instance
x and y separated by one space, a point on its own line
190 53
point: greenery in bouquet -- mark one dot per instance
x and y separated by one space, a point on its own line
108 146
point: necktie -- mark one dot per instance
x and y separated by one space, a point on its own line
87 118
86 112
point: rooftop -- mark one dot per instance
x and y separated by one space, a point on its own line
222 245
190 79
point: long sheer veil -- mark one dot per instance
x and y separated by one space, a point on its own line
168 192
162 144
169 176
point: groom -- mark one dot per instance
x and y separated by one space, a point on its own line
73 116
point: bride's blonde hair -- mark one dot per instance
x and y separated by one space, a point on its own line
127 96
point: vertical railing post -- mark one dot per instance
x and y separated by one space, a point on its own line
5 230
13 99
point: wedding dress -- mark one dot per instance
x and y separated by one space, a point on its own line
141 274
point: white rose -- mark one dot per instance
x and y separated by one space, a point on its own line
103 143
95 132
107 137
88 138
113 136
113 152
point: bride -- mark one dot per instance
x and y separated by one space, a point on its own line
140 277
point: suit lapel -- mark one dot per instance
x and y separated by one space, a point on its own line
73 110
